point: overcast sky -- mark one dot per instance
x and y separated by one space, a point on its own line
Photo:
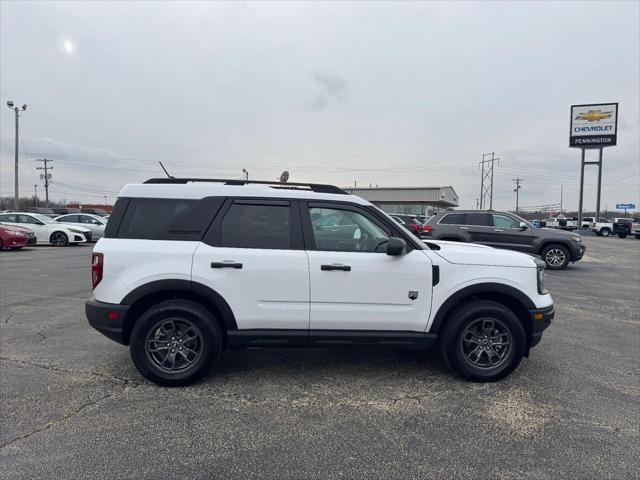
392 94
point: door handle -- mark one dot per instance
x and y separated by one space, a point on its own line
498 230
464 228
344 268
226 264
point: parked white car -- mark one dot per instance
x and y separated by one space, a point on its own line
95 223
47 230
188 268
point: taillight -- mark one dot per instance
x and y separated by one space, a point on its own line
426 228
97 265
414 226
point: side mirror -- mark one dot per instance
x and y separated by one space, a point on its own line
396 246
523 226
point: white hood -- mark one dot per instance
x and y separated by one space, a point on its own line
474 254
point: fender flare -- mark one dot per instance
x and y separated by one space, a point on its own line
173 285
477 289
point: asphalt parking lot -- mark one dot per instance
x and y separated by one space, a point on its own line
73 405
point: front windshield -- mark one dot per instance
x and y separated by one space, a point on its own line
43 218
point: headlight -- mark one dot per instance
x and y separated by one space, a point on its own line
73 230
541 278
16 232
576 238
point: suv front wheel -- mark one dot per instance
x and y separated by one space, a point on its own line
483 341
555 256
175 343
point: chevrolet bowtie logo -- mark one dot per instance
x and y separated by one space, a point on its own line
594 115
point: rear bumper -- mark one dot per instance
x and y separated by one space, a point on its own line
107 318
540 319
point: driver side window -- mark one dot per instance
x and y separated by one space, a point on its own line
346 231
502 221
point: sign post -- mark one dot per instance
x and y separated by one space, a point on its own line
593 126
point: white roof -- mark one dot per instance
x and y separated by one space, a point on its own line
198 190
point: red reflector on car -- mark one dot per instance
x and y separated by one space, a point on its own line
113 315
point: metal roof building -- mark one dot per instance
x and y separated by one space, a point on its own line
416 200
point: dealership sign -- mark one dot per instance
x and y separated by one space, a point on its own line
625 206
594 126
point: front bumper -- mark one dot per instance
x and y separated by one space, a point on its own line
540 319
107 318
578 251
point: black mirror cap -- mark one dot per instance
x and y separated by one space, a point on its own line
396 246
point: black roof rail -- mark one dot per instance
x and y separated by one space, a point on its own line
315 187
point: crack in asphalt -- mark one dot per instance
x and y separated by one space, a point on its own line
6 320
126 382
57 420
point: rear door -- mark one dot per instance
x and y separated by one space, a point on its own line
477 228
355 285
508 234
253 256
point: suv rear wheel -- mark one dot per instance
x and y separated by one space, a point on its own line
483 341
175 343
555 256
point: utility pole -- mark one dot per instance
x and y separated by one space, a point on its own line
46 176
486 180
17 111
561 187
517 190
35 196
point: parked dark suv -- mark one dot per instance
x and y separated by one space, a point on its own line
506 230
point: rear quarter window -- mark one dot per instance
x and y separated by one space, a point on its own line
162 218
452 219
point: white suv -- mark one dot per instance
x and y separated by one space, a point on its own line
190 267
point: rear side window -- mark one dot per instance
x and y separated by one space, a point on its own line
162 218
478 219
452 219
248 225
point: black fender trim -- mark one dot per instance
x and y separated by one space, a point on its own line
174 285
478 289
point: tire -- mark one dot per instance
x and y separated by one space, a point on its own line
16 248
59 239
637 237
197 331
605 232
622 235
464 330
555 256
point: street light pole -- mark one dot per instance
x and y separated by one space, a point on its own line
35 196
16 110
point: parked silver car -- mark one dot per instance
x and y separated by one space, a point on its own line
95 223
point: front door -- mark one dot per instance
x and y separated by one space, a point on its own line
508 234
355 285
254 258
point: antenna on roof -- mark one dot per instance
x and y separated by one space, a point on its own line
165 170
284 176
